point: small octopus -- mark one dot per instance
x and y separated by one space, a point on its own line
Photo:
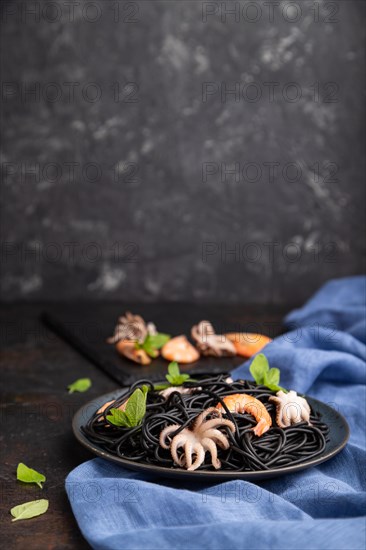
132 329
290 409
201 436
210 343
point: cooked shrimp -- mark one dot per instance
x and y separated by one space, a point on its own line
246 343
242 402
180 350
128 349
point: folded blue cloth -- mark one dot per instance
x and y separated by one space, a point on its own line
323 355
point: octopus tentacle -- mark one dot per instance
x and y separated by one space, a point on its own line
306 415
198 421
167 431
177 442
188 450
215 422
275 399
218 437
200 457
211 447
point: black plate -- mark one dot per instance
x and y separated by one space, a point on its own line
338 437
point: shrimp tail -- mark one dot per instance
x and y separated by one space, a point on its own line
262 427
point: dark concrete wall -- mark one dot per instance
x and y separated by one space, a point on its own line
121 130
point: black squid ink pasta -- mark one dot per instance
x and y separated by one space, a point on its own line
276 448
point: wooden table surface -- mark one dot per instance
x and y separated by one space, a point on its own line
36 368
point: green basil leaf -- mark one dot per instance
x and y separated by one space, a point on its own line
150 350
181 378
156 341
258 368
272 377
175 378
263 375
152 343
275 387
28 475
119 418
173 369
160 387
29 509
80 385
136 407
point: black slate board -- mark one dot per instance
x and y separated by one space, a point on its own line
80 328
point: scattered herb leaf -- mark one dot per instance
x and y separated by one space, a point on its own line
28 475
80 385
29 509
134 412
263 375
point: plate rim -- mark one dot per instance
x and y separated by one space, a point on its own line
202 474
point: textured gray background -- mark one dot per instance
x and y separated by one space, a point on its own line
153 140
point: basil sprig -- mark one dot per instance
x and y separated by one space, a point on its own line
263 375
134 412
174 377
153 342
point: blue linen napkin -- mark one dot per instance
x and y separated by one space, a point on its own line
323 355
